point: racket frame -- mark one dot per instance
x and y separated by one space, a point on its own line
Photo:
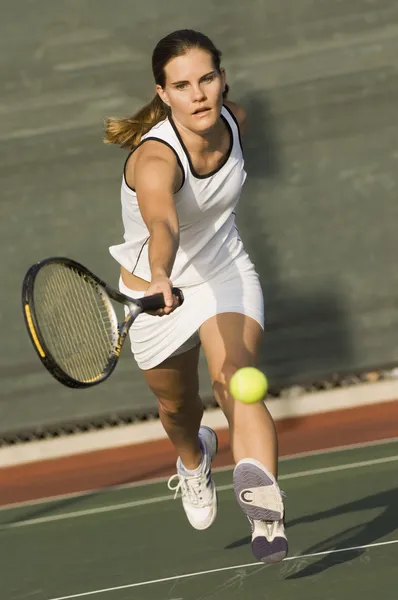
106 293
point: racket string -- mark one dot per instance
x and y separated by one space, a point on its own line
78 360
64 342
99 331
76 320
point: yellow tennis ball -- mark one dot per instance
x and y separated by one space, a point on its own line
248 385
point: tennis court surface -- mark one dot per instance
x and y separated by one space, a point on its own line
134 542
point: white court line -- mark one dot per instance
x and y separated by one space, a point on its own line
245 566
221 488
157 480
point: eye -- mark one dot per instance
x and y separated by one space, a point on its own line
181 86
209 78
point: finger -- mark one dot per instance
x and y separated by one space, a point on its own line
168 298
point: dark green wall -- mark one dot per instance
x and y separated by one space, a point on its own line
319 211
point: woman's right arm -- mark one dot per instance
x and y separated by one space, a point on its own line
155 176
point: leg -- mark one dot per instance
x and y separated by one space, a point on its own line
231 341
175 383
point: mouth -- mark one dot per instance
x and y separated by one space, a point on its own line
200 112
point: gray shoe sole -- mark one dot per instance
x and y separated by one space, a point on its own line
269 552
248 476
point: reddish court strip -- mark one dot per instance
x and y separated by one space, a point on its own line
154 459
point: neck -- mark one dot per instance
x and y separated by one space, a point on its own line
201 142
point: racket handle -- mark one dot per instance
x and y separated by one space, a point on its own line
156 301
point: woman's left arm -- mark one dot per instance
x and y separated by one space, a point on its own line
239 114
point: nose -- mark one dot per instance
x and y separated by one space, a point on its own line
198 94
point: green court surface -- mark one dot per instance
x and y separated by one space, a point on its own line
134 542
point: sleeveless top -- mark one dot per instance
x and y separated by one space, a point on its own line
205 204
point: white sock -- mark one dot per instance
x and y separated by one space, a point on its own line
181 468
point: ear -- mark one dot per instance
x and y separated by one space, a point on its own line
163 95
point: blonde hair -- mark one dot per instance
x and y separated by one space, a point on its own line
127 132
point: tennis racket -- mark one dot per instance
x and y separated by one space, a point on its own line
72 322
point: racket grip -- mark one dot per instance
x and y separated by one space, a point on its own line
156 301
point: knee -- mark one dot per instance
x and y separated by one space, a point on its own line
222 376
176 402
172 406
220 385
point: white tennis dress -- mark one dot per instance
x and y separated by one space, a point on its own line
211 266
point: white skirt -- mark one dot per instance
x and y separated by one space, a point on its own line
236 289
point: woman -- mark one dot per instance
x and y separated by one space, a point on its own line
182 182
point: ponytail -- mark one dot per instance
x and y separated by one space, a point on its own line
127 132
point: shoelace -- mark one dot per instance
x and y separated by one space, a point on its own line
190 487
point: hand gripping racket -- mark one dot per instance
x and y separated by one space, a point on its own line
72 322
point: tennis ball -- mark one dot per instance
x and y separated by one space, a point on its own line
248 385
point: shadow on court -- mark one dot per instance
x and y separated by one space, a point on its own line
261 146
367 533
359 535
307 327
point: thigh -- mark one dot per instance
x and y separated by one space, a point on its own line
230 341
175 379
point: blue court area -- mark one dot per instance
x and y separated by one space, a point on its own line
134 542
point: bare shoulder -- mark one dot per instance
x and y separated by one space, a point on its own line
150 151
152 160
239 114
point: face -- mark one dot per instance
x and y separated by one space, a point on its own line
193 90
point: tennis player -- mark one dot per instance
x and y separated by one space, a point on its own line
181 184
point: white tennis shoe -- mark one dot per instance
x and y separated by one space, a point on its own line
198 491
260 498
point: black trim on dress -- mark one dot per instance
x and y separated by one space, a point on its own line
155 139
192 169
